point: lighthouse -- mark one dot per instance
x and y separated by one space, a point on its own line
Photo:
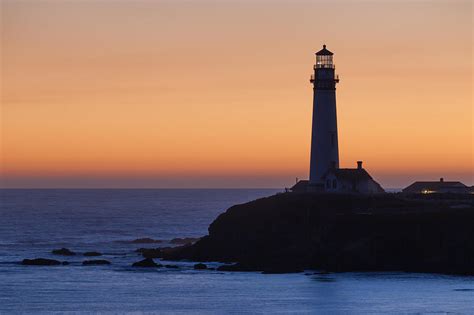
324 143
325 176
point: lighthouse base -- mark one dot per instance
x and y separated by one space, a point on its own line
342 180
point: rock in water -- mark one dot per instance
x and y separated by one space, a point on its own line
63 251
200 266
183 241
150 252
40 262
237 267
160 252
90 254
279 270
147 262
145 240
96 262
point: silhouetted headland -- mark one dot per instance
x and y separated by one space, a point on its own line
341 232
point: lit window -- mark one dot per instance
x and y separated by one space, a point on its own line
427 191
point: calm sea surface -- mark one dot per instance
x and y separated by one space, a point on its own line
33 222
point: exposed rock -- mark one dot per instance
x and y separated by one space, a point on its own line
200 266
40 262
281 269
335 232
237 267
183 241
63 251
96 262
147 262
161 252
90 254
150 252
145 240
170 253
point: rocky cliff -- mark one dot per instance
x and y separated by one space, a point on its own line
290 232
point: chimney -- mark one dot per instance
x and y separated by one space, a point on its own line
359 165
441 179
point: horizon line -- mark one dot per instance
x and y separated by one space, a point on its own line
154 188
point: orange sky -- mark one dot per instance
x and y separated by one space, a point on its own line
217 93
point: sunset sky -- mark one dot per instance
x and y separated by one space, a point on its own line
217 93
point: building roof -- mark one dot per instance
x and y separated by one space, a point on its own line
434 186
350 174
300 185
324 52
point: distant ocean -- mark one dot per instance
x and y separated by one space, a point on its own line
34 222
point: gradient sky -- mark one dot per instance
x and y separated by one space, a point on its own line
217 93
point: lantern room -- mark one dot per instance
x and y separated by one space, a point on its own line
324 59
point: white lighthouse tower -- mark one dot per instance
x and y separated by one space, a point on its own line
324 144
325 176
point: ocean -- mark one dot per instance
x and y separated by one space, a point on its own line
34 222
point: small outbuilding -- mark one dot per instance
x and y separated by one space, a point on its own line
351 180
440 186
342 180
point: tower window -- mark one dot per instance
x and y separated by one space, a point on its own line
328 184
334 184
324 61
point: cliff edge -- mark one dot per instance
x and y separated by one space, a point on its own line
291 232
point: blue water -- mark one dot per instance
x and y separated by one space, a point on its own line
33 222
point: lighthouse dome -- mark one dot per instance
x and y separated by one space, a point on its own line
324 52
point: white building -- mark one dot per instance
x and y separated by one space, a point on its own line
438 187
351 180
324 142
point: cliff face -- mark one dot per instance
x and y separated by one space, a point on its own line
289 232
